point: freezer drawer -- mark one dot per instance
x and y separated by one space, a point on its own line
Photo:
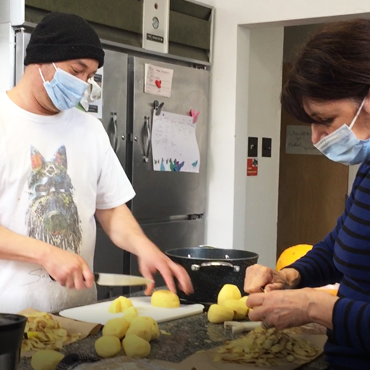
115 101
170 235
164 194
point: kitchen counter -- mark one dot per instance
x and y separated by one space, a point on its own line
186 336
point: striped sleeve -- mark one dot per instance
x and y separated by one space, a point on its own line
351 324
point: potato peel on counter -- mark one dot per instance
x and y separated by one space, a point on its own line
42 331
266 348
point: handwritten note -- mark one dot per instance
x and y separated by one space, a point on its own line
174 144
298 140
158 80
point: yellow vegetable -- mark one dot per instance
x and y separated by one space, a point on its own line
292 254
119 305
154 327
141 327
130 313
165 299
228 291
107 346
116 327
135 346
46 359
244 299
240 308
218 314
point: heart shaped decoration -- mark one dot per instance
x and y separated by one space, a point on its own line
158 83
194 115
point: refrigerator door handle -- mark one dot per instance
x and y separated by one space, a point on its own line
146 138
112 130
20 51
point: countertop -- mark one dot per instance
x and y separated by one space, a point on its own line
187 335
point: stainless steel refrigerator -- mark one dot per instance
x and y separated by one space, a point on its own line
169 206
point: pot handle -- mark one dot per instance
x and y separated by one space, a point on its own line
211 264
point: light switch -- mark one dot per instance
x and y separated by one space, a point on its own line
266 147
252 147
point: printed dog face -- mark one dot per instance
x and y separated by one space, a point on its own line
53 215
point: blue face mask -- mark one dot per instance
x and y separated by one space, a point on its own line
342 145
64 90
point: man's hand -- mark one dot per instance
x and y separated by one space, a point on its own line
154 260
67 268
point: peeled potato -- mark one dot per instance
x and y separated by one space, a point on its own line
46 359
228 291
240 308
154 327
130 313
116 327
244 299
135 346
119 305
165 299
218 314
107 346
141 327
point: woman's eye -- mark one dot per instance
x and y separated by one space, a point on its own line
327 121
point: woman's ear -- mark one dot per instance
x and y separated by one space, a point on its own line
366 106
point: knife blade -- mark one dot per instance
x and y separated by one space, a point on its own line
106 279
120 279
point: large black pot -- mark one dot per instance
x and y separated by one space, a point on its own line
11 335
210 269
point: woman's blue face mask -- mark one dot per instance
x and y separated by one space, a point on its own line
64 90
342 145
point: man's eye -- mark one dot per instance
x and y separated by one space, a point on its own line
75 71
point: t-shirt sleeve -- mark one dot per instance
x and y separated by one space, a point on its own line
114 187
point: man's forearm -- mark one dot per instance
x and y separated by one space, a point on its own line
123 229
21 248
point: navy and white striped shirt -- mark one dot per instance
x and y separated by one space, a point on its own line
344 256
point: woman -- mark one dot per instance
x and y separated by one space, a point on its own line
328 87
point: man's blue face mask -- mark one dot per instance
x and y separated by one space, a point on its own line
342 145
64 90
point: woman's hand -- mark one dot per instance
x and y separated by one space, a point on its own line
257 276
290 308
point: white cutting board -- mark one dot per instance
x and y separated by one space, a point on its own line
98 312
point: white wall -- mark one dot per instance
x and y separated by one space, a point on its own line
242 212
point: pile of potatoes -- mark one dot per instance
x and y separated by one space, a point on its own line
131 332
230 305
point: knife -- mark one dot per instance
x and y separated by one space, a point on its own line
118 279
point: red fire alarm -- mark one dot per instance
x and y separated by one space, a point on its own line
252 167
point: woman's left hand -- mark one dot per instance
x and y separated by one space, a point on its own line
289 308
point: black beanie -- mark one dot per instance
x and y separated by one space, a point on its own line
61 36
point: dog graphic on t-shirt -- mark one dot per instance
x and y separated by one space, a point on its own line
53 215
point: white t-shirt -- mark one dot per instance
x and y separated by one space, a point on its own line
55 171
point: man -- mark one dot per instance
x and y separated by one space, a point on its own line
58 170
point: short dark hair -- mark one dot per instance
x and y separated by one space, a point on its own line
333 64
